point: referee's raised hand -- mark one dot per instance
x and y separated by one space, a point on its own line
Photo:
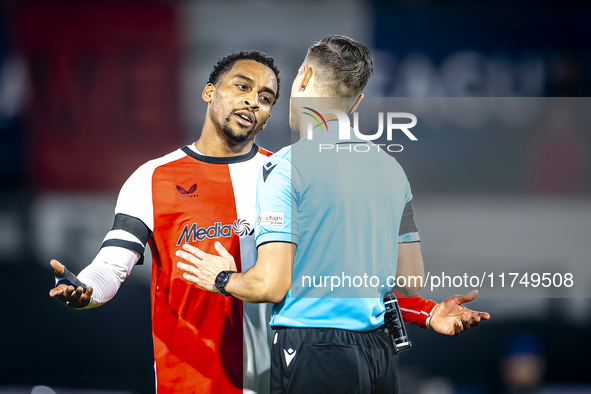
451 318
71 291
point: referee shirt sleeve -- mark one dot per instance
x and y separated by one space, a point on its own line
408 231
276 201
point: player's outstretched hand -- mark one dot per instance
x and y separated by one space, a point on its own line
205 267
74 297
451 317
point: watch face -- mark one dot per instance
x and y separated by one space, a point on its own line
221 280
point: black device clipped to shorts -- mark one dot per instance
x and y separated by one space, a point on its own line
394 325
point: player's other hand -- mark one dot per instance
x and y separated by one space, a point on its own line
451 317
203 267
68 294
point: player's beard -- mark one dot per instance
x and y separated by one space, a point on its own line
233 135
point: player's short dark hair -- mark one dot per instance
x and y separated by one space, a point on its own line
225 64
345 65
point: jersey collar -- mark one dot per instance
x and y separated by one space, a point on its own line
221 160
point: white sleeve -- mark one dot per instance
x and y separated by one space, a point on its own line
135 197
124 245
109 269
122 249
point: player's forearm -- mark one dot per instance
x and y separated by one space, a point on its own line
106 273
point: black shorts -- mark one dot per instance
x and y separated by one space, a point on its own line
328 360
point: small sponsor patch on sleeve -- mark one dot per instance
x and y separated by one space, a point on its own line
271 219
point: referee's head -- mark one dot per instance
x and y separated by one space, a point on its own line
335 70
343 66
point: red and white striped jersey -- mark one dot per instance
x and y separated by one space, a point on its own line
203 342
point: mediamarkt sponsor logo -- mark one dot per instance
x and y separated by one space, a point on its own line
345 130
194 233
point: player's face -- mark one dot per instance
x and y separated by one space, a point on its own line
243 99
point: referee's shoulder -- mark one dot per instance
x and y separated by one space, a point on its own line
390 163
283 154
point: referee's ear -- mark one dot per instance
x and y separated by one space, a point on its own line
303 78
354 107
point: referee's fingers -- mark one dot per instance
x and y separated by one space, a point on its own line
188 257
223 251
457 328
465 325
191 269
195 251
469 296
476 315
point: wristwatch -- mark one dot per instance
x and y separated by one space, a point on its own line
222 280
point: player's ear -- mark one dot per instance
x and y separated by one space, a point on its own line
208 93
354 107
265 124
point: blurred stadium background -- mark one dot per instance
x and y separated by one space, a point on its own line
90 90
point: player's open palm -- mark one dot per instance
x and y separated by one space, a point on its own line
69 289
451 317
205 267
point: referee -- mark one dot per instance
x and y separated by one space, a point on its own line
320 215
